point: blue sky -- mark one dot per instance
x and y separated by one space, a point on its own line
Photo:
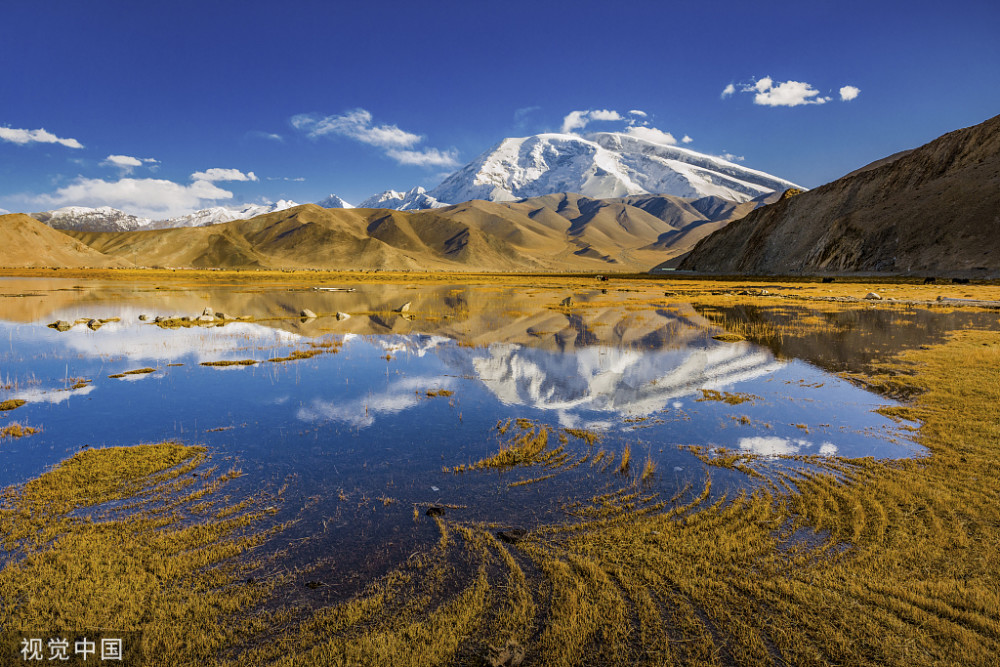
161 107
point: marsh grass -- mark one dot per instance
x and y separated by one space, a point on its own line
137 371
726 397
231 362
11 404
16 430
125 539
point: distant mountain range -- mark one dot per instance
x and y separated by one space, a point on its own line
932 211
559 232
600 166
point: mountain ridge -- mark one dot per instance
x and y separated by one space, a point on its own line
930 211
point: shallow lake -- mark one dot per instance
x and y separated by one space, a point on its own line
365 434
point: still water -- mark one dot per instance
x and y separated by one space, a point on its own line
356 435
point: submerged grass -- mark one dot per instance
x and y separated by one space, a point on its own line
230 362
124 539
16 430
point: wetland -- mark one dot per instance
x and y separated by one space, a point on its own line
513 470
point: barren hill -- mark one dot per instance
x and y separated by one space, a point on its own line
26 242
551 233
931 211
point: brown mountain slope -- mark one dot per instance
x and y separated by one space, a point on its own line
562 232
932 211
26 242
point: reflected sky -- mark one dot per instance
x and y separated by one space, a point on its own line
357 420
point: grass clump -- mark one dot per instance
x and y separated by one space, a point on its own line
230 362
588 436
300 354
16 430
729 337
726 397
138 371
433 393
11 404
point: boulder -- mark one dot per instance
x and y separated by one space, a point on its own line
206 318
208 311
872 296
143 317
308 314
94 325
342 315
61 325
404 308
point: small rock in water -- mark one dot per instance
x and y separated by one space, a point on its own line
61 325
143 317
568 301
512 536
872 296
404 308
94 325
206 318
308 314
222 316
159 318
342 315
208 311
434 488
435 510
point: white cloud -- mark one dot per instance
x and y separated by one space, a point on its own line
298 179
396 143
768 92
4 211
786 93
216 174
652 134
270 136
637 112
577 120
123 161
775 446
427 157
848 93
687 139
41 136
357 125
145 197
732 158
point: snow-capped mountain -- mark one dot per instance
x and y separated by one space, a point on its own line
333 201
417 198
85 219
601 165
219 214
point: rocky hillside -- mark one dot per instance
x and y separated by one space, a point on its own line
932 211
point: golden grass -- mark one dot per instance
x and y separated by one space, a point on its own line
16 430
165 567
726 397
11 404
432 393
230 362
137 371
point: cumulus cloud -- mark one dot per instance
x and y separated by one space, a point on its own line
122 161
848 93
213 175
768 92
427 157
4 211
637 112
786 94
41 136
396 143
577 120
298 179
652 134
145 197
687 139
775 446
732 158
